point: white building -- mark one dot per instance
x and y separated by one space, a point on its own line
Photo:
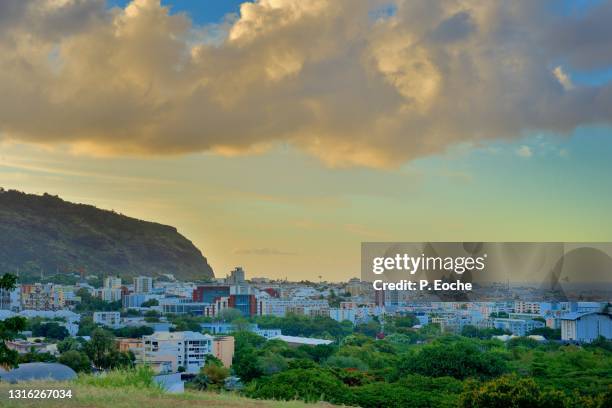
182 349
518 327
109 294
109 319
586 327
111 282
143 284
280 307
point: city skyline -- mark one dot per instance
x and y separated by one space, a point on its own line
279 135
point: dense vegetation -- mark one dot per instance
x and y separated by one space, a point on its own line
47 235
421 368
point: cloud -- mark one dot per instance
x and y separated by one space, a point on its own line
331 77
524 151
563 78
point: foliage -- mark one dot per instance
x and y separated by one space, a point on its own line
298 325
77 360
70 343
34 356
9 327
216 374
135 332
149 303
228 315
459 359
547 332
91 303
510 391
308 385
140 377
103 352
484 333
50 330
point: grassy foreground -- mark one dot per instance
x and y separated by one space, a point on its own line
93 396
131 389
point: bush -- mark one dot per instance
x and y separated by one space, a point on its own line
459 359
140 377
510 391
308 385
76 360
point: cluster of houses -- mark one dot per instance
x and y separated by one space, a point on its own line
355 301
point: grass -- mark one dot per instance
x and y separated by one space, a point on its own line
132 389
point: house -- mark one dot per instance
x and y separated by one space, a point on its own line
182 349
586 327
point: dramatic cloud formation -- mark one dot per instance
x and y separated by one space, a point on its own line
354 82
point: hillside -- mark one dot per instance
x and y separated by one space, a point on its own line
48 233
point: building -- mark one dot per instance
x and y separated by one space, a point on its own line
136 346
280 307
38 297
25 346
223 349
295 341
109 319
143 284
133 300
354 287
216 328
586 327
236 276
181 349
109 294
9 299
209 293
518 327
246 304
111 282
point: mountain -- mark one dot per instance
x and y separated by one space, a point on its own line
49 234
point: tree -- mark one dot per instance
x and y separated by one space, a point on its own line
547 332
216 374
133 332
77 360
150 302
459 359
309 385
510 391
103 352
86 326
229 315
69 344
9 327
51 330
151 316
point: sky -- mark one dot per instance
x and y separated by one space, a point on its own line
279 135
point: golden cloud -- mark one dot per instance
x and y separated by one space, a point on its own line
354 82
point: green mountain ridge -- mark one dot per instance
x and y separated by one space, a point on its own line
45 233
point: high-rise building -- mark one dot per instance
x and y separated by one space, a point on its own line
236 276
143 284
9 299
112 282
